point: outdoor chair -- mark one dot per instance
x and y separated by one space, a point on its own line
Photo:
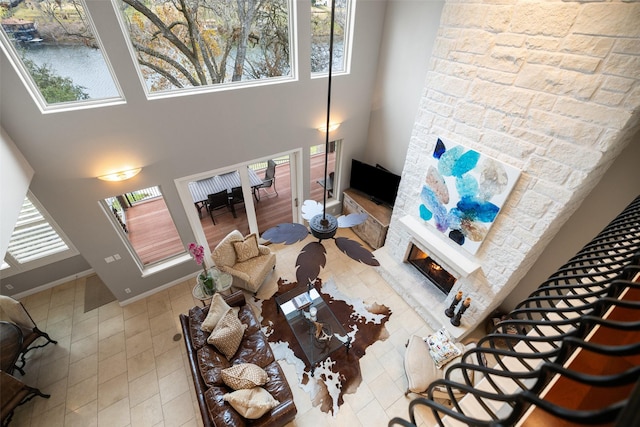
236 197
217 202
328 186
16 312
268 181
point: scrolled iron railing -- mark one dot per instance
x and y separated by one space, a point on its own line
511 370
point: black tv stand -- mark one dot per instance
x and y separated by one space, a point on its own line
376 201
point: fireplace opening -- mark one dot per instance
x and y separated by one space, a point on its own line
431 269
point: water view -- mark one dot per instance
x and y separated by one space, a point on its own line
84 65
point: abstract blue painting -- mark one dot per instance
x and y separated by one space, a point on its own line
463 192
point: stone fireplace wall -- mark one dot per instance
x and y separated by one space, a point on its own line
551 88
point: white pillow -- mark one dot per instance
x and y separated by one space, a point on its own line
217 309
442 347
251 403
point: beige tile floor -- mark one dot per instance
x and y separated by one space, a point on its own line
120 365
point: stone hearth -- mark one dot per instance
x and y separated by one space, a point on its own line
427 300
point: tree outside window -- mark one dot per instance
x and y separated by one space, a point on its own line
321 31
192 43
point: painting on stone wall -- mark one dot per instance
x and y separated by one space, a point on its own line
463 193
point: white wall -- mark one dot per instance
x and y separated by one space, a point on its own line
176 137
410 28
15 175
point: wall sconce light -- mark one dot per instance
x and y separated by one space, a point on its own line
121 175
332 127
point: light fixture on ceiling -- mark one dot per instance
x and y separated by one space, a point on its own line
331 127
121 175
322 225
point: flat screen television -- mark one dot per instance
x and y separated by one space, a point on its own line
376 182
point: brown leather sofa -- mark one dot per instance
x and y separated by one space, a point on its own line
206 363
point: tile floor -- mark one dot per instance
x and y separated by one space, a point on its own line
120 365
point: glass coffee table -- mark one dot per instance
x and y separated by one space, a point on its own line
320 337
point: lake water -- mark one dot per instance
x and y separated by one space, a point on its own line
84 65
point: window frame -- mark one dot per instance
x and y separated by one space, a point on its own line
348 44
15 266
219 87
33 90
152 267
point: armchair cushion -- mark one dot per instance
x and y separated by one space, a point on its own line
246 249
224 255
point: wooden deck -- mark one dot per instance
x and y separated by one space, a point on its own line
154 236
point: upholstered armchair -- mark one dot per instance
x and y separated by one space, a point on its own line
243 258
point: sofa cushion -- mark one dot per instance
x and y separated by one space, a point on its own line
227 334
244 375
251 403
217 309
246 249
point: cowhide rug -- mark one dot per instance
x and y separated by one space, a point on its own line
340 372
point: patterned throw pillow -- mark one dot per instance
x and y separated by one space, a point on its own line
251 403
247 249
217 309
227 335
244 375
442 347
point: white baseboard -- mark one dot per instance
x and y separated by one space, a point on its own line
52 284
156 290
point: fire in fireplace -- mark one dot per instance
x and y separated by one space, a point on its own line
431 269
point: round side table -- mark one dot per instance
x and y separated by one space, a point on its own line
222 283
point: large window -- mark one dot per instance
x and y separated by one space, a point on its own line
54 48
36 240
146 225
321 31
200 43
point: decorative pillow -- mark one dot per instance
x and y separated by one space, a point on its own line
217 309
251 403
244 375
247 249
442 348
227 335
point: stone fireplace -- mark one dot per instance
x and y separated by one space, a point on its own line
483 90
428 299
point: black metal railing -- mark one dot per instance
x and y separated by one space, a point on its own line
511 370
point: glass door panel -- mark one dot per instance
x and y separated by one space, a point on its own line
272 199
317 157
221 204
